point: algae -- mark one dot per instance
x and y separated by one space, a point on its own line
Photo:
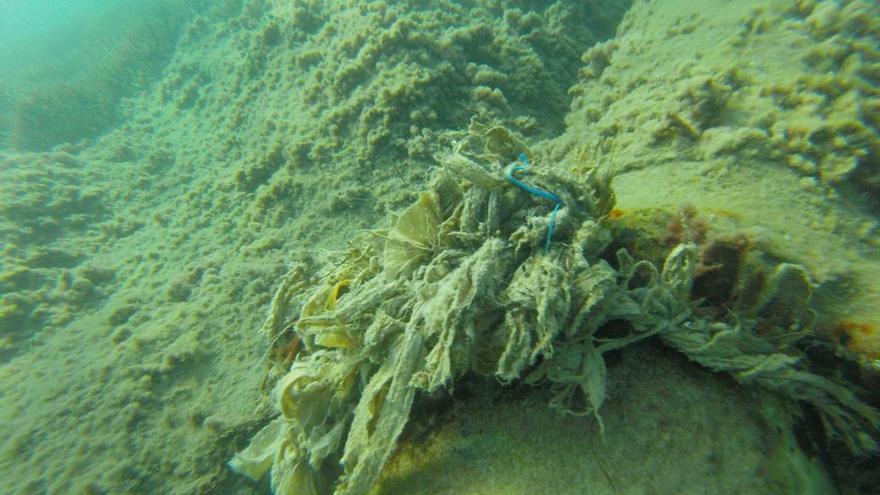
462 283
233 171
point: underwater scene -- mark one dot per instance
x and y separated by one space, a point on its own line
480 247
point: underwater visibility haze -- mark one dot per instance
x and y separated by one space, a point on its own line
447 247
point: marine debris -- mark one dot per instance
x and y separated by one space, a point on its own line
512 169
466 281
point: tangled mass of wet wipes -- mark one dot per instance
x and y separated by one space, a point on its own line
469 279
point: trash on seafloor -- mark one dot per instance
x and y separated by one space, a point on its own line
469 279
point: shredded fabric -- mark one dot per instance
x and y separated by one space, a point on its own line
463 283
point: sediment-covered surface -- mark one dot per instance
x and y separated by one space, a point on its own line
138 265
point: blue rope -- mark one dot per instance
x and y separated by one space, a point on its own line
537 192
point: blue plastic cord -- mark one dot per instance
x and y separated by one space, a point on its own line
537 192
